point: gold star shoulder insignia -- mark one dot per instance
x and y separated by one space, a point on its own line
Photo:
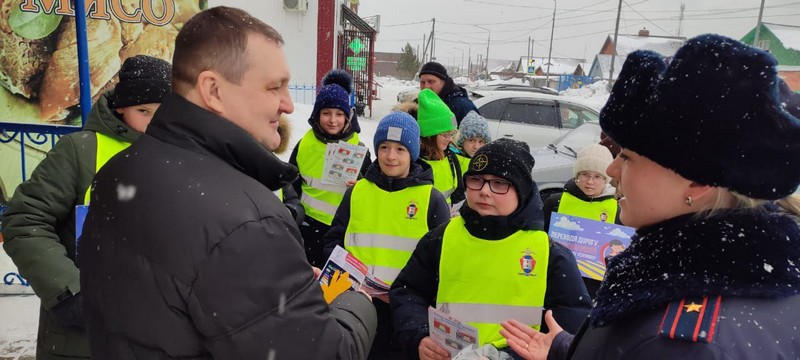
693 307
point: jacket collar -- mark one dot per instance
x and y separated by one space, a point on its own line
572 188
186 125
527 217
420 173
105 120
743 253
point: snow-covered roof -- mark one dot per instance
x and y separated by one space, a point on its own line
558 66
664 45
602 65
788 35
499 65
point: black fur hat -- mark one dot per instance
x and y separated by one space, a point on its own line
713 115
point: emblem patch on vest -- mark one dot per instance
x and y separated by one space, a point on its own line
411 210
527 263
604 216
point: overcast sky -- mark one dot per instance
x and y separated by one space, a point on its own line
581 26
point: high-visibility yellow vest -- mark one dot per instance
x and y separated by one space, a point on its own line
443 178
107 147
605 210
384 226
320 200
464 162
485 282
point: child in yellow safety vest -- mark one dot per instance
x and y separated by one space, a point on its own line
587 195
332 120
437 126
492 263
384 215
473 133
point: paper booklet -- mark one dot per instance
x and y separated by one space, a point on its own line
342 163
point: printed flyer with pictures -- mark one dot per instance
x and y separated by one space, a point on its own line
342 163
591 241
343 261
450 333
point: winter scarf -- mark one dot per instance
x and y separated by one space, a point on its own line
742 253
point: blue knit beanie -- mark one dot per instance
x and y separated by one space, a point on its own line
334 94
399 127
473 126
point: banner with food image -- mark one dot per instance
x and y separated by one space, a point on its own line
39 57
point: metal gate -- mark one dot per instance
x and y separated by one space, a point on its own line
356 56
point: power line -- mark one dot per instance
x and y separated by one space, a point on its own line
648 20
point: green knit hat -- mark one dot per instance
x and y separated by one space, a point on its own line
434 117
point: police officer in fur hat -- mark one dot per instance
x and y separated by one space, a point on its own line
708 165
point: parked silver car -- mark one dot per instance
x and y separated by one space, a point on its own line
553 167
537 119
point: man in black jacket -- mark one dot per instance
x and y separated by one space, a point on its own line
186 251
434 76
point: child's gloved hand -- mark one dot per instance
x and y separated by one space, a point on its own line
339 283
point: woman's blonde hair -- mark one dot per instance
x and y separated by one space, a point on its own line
727 199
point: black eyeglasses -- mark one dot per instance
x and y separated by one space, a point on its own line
497 186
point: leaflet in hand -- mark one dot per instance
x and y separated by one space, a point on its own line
450 333
343 261
342 162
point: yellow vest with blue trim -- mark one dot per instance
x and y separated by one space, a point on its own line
443 178
107 147
605 210
319 200
385 226
484 282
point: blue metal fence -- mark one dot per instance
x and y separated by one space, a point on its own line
303 94
573 81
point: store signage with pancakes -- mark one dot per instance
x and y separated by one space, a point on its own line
39 57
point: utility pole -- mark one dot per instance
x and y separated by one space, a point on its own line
528 61
550 52
614 51
469 63
424 49
680 19
758 27
433 39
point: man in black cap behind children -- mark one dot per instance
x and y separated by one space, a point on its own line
434 76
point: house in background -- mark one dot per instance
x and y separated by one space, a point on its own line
386 64
626 44
783 42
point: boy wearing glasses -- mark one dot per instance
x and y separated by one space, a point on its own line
437 126
490 264
382 217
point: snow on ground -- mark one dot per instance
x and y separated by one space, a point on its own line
19 313
594 95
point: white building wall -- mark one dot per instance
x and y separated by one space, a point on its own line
299 31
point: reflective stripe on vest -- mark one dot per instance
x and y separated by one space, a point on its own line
484 293
443 178
384 226
605 210
107 147
279 194
319 200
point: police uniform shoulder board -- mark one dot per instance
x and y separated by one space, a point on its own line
691 319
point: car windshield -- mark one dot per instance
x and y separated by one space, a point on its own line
575 140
